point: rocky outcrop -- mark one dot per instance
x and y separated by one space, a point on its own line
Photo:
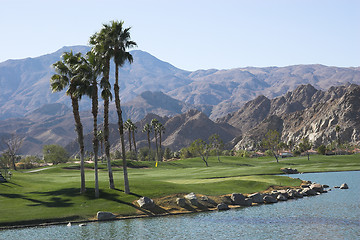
181 202
344 186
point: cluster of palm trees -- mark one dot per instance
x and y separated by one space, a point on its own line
81 76
158 129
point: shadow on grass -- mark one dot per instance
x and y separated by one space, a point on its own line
58 201
8 182
54 201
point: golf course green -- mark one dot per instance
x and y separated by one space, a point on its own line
52 194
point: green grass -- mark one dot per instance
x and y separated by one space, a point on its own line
53 194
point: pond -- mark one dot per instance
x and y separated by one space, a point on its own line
332 215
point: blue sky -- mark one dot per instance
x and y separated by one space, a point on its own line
193 34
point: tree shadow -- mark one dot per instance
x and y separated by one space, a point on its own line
54 201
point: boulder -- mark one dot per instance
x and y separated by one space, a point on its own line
145 202
344 186
181 202
325 186
270 199
191 197
308 192
298 194
237 199
317 187
281 197
105 216
256 198
248 202
222 206
284 192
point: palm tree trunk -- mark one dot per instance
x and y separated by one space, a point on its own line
130 139
156 145
121 129
79 130
106 140
133 134
160 152
95 137
148 137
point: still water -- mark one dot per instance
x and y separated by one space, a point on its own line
332 215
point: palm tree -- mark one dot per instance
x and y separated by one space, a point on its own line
134 130
128 127
160 129
147 128
101 48
90 69
66 76
154 123
120 42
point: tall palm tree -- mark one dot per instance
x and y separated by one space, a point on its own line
89 70
147 128
100 137
128 127
120 42
66 77
101 48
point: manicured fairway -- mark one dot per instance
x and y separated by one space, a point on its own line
54 192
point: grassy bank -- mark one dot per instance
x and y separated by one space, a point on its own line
53 194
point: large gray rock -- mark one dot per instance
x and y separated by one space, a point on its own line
181 202
237 199
308 192
222 206
317 187
145 202
101 216
191 197
256 198
270 199
281 197
344 186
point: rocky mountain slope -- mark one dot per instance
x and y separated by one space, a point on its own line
25 84
305 112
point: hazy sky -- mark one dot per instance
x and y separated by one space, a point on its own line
193 34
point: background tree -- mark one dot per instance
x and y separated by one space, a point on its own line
154 123
128 127
217 144
100 137
200 147
55 154
271 142
305 146
13 145
147 129
160 129
66 76
134 130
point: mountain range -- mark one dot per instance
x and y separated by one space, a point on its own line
239 104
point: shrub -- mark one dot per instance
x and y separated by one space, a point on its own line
55 154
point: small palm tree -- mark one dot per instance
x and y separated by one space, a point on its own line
134 130
66 77
154 123
147 128
160 129
128 127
